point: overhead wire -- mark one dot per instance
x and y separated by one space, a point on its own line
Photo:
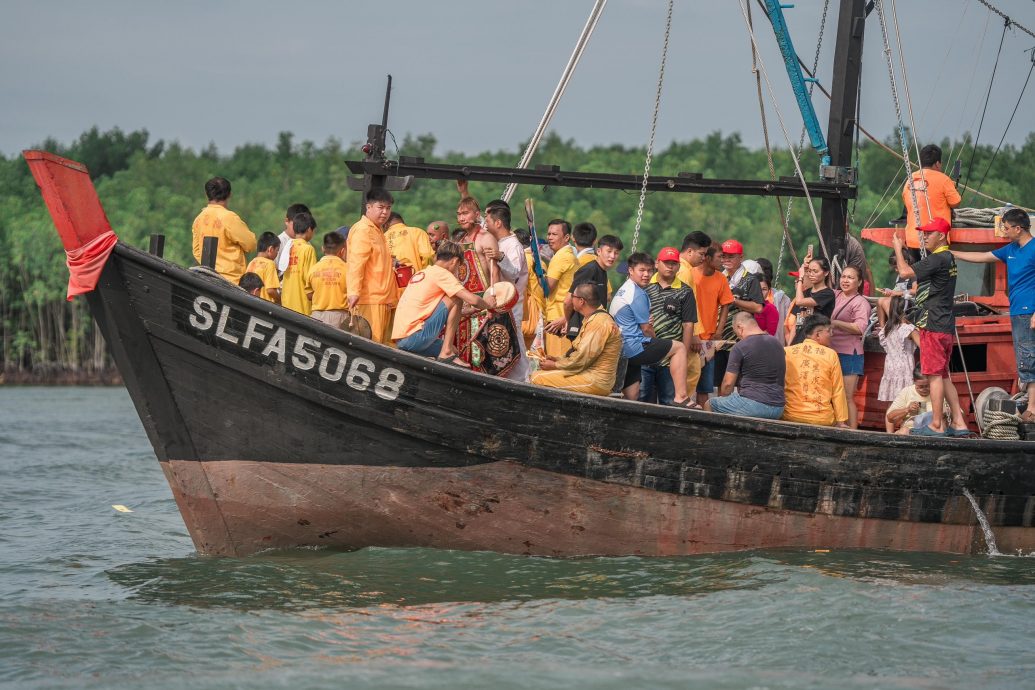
1010 122
884 147
558 92
988 95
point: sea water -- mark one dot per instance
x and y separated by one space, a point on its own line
94 597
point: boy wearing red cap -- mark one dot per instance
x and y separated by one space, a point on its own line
673 313
936 284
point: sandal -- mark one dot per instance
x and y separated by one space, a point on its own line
688 404
453 360
1028 416
927 431
959 433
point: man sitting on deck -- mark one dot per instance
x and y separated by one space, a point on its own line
431 303
814 386
911 407
590 365
757 369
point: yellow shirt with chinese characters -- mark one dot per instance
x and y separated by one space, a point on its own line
814 386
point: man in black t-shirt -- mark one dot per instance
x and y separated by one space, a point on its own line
594 273
936 285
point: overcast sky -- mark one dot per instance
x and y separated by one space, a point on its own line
475 73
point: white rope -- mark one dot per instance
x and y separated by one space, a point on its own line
783 130
898 114
653 128
909 102
551 107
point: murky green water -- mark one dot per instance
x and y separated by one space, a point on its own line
91 597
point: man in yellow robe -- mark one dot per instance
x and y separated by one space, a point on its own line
559 275
814 385
591 365
216 220
373 292
409 246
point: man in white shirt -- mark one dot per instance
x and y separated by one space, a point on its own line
284 256
513 268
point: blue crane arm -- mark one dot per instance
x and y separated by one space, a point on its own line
801 94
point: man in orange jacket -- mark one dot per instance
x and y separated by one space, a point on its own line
371 278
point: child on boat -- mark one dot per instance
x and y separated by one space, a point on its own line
899 339
264 265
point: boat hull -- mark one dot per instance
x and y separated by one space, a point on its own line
236 508
277 431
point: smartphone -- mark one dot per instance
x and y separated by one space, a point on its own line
809 252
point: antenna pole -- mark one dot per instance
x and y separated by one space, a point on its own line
384 118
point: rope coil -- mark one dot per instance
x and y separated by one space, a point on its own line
1001 426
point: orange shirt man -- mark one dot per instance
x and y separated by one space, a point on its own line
371 278
429 308
934 190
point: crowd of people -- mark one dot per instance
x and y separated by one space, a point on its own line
698 326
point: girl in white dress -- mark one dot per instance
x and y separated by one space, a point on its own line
899 339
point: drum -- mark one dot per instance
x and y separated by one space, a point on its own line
357 325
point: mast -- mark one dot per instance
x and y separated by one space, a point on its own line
844 101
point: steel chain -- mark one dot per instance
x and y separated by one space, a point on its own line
879 5
653 128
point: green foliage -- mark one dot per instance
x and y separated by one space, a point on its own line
158 188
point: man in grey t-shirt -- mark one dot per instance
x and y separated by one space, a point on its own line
756 368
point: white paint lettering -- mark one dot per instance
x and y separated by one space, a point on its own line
303 358
221 327
358 378
389 384
253 332
339 367
277 345
201 319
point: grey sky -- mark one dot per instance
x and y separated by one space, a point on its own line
475 73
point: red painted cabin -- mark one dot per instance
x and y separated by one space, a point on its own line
982 321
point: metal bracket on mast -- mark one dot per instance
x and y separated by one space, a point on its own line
375 153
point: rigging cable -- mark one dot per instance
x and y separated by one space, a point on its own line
785 240
786 215
783 130
909 102
551 107
880 144
653 127
974 147
1010 122
898 114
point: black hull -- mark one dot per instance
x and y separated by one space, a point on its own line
213 381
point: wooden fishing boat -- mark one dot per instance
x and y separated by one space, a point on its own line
276 431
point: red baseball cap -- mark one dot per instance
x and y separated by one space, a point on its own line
936 225
732 247
668 254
